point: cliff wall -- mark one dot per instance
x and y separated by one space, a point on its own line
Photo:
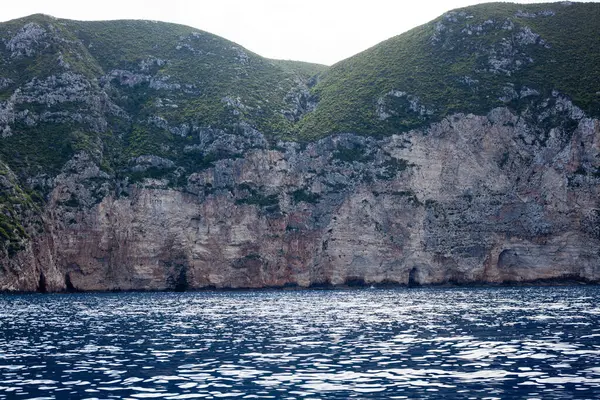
492 198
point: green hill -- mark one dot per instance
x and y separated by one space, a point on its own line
128 88
131 88
121 90
468 60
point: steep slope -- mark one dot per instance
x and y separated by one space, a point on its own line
468 60
123 89
132 88
17 208
143 155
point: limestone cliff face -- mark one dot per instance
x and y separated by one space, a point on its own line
137 155
490 198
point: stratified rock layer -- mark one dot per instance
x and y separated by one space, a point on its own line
493 198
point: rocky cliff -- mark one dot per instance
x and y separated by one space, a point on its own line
115 177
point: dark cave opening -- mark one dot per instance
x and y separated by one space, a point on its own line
413 280
42 284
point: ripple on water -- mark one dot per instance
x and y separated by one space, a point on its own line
419 343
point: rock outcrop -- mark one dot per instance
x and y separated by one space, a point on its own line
491 198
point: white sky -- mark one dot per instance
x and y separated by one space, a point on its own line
322 31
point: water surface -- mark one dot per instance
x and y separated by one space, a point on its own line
458 343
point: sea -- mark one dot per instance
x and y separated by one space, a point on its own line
398 343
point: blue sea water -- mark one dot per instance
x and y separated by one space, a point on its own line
452 343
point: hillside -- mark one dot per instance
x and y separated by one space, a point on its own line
139 155
133 88
123 89
467 60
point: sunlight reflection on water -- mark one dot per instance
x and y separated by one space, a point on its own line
399 343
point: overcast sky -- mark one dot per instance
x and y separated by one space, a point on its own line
322 31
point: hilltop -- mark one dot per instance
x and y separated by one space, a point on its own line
133 88
468 60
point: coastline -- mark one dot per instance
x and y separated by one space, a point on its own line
328 287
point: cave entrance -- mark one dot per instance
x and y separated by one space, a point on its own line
181 283
413 277
69 284
42 283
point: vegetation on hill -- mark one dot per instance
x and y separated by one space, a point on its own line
124 89
128 88
16 206
468 60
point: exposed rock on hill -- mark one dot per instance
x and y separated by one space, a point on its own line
141 155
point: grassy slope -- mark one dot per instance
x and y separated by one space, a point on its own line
43 64
412 63
16 205
219 67
348 92
214 68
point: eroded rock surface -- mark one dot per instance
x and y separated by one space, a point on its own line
494 198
